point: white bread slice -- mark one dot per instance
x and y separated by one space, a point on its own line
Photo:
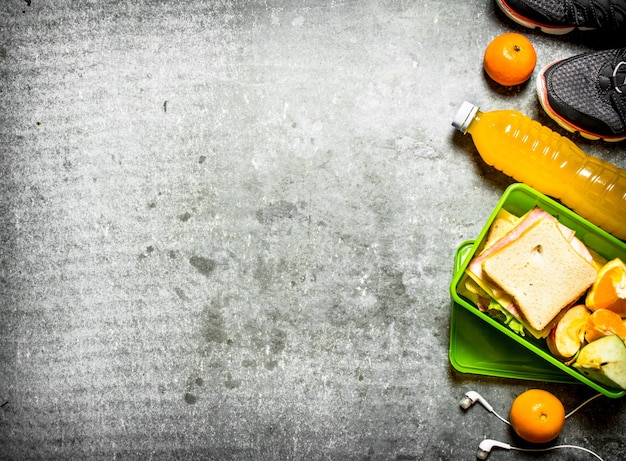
541 271
498 229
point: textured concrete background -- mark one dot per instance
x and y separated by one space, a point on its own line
228 229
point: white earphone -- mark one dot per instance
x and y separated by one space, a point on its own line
471 397
485 447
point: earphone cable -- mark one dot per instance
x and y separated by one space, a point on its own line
539 450
504 420
582 405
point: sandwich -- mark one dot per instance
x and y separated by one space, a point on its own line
541 271
529 271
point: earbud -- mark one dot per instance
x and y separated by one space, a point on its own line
471 397
487 445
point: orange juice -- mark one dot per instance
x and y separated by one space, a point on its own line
550 163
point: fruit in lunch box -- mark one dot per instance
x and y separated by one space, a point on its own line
568 335
537 416
604 361
604 322
510 59
609 289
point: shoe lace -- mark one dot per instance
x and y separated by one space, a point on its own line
614 79
600 13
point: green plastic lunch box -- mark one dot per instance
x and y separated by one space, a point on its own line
482 345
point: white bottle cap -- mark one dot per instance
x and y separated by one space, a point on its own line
464 116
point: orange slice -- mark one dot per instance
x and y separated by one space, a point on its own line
609 289
604 322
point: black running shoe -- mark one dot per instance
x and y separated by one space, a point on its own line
563 16
587 93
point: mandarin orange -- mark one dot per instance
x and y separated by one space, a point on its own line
510 59
537 416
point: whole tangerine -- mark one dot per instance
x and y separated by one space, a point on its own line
537 416
510 59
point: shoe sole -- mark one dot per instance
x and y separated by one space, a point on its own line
542 94
523 21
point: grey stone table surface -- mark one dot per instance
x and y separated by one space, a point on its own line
228 228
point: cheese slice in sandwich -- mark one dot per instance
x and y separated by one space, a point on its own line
541 271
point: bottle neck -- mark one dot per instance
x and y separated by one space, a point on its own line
473 121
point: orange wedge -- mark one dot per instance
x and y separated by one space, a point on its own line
609 289
604 322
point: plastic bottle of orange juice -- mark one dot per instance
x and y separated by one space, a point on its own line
550 163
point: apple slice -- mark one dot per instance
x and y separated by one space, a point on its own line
567 336
604 361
